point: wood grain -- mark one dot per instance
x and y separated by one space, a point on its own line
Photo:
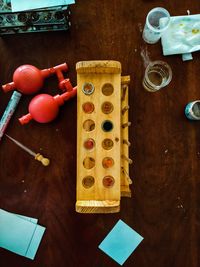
125 144
165 207
98 198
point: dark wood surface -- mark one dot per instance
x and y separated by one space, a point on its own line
165 206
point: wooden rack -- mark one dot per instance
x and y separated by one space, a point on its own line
102 137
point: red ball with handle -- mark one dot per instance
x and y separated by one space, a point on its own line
44 108
28 79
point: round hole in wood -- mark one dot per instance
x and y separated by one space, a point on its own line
88 162
88 107
107 126
89 144
88 88
108 181
89 125
107 89
88 181
107 162
107 107
107 144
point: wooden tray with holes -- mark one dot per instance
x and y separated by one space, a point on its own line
102 137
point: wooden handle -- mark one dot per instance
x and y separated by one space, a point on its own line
44 161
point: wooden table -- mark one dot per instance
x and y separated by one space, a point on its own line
165 206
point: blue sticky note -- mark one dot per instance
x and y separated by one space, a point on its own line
22 5
19 235
30 219
187 56
120 242
35 242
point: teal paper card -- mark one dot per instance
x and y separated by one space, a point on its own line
22 5
30 219
19 235
120 242
35 242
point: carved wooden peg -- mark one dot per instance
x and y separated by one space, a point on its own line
127 124
126 142
127 176
124 89
127 159
125 109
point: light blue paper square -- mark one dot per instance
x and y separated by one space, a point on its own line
19 235
30 219
187 56
120 242
35 242
180 37
22 5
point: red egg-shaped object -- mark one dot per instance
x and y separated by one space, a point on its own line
28 79
43 108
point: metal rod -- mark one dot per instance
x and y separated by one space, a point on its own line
37 156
